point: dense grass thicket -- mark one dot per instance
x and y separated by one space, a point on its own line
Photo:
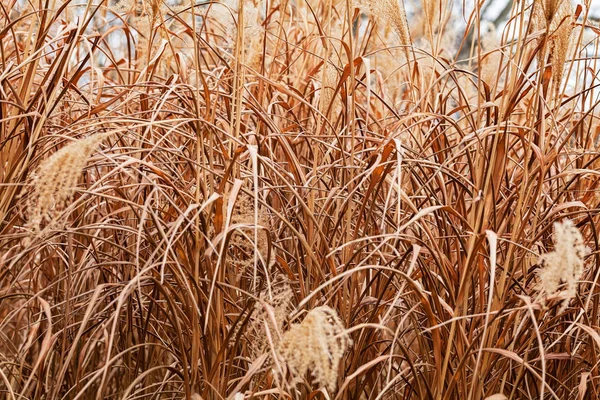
299 199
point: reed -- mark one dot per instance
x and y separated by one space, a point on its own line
298 200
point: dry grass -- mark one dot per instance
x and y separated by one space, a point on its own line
319 199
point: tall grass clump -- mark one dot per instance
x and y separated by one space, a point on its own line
299 199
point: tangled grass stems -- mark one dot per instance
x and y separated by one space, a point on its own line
283 180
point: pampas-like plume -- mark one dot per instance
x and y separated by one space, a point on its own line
431 8
491 63
316 345
242 246
54 182
252 33
328 85
564 265
393 12
270 313
554 16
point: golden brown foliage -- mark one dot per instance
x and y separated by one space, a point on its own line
282 180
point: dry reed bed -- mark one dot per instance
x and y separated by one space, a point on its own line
298 200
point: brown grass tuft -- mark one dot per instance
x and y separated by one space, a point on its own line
270 157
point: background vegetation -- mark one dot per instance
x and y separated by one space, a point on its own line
298 199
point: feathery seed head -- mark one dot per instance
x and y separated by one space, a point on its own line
252 33
316 345
564 265
393 12
270 312
431 9
328 85
491 62
554 17
54 182
242 245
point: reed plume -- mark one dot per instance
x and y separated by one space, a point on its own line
55 180
554 18
561 269
242 246
252 34
491 62
329 83
393 12
316 345
431 8
269 316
